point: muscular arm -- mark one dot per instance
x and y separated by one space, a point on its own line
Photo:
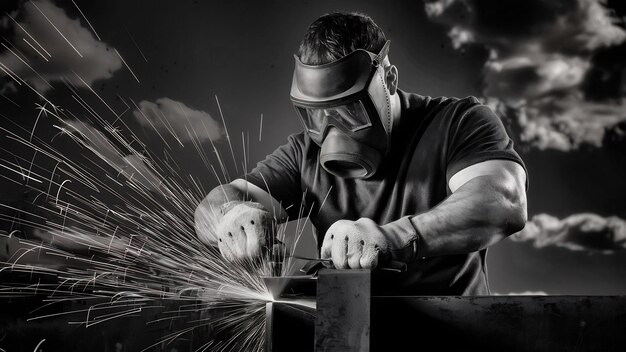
488 203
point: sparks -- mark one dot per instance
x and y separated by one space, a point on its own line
114 221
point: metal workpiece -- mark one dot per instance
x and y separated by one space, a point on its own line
499 323
343 310
351 314
289 327
290 287
290 317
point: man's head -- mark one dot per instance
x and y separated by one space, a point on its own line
344 89
336 35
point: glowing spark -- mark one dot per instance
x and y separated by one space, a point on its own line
135 43
30 36
324 201
226 131
19 81
85 17
96 94
59 190
144 248
27 65
57 29
38 345
32 161
41 111
243 147
35 49
10 100
261 127
125 64
51 179
10 73
21 174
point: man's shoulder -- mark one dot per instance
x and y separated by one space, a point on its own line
300 140
413 102
302 144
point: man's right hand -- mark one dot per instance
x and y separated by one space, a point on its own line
244 230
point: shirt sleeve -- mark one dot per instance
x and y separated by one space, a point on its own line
279 175
478 135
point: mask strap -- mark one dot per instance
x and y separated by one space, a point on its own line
378 59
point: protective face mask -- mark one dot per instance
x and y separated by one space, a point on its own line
345 108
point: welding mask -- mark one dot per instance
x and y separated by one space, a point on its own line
345 108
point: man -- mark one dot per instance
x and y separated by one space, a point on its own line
385 174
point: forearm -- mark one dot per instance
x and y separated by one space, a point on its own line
223 198
477 215
223 194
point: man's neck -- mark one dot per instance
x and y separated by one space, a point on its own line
396 109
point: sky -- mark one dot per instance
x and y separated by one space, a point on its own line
166 72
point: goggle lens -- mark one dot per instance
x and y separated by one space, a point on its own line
352 116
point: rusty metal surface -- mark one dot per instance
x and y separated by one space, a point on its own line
499 323
449 323
343 311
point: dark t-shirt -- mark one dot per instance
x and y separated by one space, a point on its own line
433 139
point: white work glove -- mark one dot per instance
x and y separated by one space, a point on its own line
243 230
365 244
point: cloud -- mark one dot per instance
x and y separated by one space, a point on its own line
40 55
578 232
542 60
175 118
133 166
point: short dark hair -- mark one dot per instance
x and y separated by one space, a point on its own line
336 35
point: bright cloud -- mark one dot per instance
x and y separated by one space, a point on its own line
177 119
49 46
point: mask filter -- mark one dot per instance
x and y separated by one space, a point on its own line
344 157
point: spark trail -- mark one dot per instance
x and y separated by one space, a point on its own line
140 247
115 221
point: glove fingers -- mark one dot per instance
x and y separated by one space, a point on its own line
227 253
340 251
243 231
236 240
369 258
254 228
355 251
326 251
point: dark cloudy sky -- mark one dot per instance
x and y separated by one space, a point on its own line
554 70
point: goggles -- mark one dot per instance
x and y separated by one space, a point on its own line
351 116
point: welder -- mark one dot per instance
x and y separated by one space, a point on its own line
385 175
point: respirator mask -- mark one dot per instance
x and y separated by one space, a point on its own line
345 108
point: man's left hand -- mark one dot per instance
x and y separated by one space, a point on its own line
355 244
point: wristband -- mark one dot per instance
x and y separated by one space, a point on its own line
403 239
